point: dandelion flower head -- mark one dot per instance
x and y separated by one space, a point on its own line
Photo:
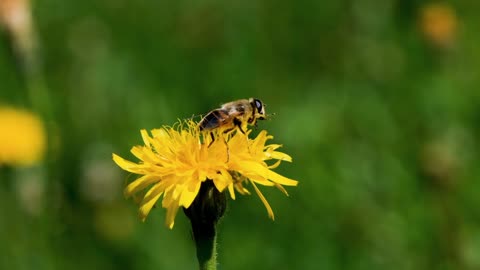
175 161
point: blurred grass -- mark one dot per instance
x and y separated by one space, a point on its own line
381 118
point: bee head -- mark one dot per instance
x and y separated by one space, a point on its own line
259 108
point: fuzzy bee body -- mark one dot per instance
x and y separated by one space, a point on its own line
235 114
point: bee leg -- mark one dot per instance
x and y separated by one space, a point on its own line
228 151
238 124
213 139
228 130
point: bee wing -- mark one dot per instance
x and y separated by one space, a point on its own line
213 119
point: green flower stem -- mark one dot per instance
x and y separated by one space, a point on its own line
205 236
204 214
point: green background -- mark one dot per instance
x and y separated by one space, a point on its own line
381 121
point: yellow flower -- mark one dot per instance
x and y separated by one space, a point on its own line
439 24
176 160
22 137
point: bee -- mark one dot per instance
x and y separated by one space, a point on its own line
232 115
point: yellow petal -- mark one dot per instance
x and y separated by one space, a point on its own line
259 180
177 191
189 194
261 138
218 150
222 180
238 143
140 184
160 133
145 137
275 177
280 156
147 206
242 190
150 199
275 165
168 197
158 188
231 191
171 213
161 141
261 170
145 154
128 165
272 147
282 189
269 209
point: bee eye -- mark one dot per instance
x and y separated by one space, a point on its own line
258 104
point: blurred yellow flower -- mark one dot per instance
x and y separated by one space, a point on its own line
176 160
22 137
439 24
